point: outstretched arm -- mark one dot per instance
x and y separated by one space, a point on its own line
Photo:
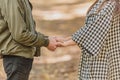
63 42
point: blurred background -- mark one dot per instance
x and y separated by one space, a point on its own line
57 18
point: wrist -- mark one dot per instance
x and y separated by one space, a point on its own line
46 42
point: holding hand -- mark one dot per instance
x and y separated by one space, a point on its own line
63 42
55 42
52 43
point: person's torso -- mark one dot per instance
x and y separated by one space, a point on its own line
8 46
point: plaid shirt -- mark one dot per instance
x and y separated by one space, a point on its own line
93 34
100 43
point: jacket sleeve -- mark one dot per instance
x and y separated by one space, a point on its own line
14 15
91 37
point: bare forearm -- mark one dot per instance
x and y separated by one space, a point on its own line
65 41
69 42
68 38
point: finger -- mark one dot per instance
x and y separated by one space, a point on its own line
58 44
59 39
54 47
51 49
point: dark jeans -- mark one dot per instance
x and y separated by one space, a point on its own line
17 68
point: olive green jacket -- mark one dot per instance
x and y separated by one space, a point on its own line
17 29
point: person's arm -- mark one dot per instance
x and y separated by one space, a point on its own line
62 39
69 42
14 14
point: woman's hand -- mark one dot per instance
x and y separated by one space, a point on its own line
63 42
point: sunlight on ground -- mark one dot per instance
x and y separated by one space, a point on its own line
2 74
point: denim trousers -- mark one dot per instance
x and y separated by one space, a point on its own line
17 68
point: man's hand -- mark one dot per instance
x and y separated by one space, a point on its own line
52 43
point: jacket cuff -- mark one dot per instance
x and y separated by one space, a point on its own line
46 41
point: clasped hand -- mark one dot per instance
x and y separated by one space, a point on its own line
55 42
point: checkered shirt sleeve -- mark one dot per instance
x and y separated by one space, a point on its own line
92 36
